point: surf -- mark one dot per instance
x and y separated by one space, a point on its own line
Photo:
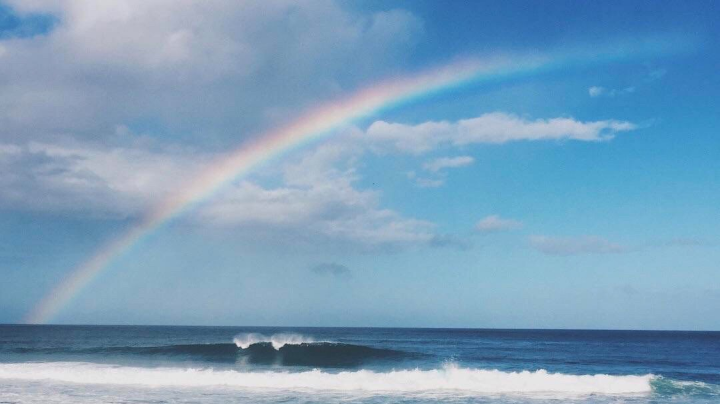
445 379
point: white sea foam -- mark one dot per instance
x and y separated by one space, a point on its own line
243 341
448 378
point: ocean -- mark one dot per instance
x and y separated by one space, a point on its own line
144 364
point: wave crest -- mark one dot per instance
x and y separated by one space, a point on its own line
244 341
448 378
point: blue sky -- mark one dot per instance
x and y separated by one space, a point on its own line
582 197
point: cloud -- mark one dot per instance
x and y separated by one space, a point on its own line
448 162
494 223
596 91
414 139
424 182
332 269
565 246
225 68
236 69
493 128
657 74
95 179
436 166
318 199
316 195
429 182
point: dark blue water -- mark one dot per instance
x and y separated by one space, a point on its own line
251 364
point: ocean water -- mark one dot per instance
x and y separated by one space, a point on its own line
109 364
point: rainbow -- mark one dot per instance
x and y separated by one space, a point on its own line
310 127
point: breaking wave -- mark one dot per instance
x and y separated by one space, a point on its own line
447 378
244 341
279 350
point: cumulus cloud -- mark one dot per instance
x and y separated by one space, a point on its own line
332 269
227 68
438 164
495 223
565 246
494 128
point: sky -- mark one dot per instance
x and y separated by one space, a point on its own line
579 195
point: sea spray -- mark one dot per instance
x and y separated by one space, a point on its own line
244 341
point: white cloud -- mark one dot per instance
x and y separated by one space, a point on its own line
438 164
414 139
495 128
500 128
319 199
576 245
224 69
228 68
316 197
495 223
596 91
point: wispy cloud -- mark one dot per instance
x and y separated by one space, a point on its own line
576 245
596 91
657 74
425 182
600 91
430 182
436 167
495 223
441 163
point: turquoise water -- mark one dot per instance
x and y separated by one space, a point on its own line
96 364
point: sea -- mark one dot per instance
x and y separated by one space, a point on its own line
157 364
